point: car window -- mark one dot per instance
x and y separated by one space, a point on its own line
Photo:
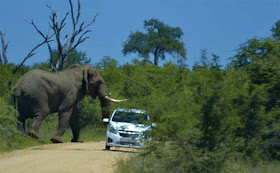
129 117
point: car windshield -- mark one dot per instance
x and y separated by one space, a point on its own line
130 117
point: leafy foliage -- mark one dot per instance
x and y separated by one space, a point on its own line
8 79
213 116
159 40
10 137
75 57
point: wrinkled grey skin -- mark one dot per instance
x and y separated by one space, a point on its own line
39 93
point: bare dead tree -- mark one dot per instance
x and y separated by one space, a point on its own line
3 54
70 42
46 40
45 37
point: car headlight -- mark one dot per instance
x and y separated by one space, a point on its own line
112 129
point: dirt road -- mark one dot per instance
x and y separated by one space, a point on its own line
66 157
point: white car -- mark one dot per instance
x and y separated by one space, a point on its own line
127 128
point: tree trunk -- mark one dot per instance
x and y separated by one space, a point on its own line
1 61
156 57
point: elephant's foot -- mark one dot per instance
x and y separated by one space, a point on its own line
77 140
56 140
32 134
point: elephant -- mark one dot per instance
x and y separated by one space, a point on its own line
39 93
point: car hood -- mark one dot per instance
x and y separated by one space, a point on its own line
130 126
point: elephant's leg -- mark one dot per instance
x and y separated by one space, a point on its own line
75 126
21 122
62 126
34 131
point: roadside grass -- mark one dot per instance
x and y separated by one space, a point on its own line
15 140
139 164
150 164
89 133
248 167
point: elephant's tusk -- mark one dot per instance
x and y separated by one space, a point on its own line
114 100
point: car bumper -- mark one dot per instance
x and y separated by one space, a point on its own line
115 140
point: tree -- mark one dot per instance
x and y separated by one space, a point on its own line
259 59
259 51
276 30
70 42
106 61
160 39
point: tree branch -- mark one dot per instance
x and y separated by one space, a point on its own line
30 54
4 49
72 15
62 23
70 43
46 38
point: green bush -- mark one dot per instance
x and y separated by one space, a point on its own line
204 118
10 137
90 113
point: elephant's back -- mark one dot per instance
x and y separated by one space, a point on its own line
30 82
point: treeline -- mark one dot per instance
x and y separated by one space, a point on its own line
208 117
205 117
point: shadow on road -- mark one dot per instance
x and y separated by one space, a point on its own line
119 150
123 151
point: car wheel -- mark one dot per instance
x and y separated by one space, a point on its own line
107 147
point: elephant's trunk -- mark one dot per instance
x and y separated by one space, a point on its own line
105 107
105 100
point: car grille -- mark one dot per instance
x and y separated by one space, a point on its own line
129 134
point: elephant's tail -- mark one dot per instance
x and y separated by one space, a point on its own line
20 123
15 99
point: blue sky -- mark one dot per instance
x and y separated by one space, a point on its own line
219 26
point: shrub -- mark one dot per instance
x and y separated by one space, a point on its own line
10 137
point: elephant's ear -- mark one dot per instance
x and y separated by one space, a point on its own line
85 75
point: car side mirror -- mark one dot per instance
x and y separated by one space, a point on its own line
105 120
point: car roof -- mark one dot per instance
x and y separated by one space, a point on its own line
131 110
